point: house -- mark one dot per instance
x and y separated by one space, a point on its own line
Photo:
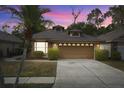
8 44
113 40
76 44
72 44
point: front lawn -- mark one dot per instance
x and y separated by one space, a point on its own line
30 69
117 64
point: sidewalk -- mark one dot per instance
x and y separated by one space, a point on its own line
14 59
30 80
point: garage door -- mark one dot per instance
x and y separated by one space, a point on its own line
76 52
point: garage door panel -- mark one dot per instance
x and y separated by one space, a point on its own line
76 52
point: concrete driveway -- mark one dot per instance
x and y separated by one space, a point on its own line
83 73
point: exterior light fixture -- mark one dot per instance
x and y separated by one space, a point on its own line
82 44
55 46
60 44
86 44
65 44
91 44
98 45
69 44
73 44
78 44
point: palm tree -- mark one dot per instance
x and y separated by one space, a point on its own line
31 16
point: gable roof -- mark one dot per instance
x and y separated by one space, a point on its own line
9 38
62 37
112 36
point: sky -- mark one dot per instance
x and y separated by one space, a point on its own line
60 14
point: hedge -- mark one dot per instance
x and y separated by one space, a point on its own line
115 55
53 53
38 54
101 54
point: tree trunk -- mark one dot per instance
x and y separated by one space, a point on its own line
21 65
1 78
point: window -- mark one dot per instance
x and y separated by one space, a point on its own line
75 34
41 46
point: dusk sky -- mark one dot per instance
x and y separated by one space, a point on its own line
61 14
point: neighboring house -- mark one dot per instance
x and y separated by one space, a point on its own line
113 40
72 44
8 44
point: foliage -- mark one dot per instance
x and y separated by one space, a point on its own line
5 28
95 17
18 31
38 54
78 25
115 55
117 14
89 29
30 16
101 54
53 53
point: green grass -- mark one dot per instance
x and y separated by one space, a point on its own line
117 64
30 69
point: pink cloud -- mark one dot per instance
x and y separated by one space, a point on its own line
64 18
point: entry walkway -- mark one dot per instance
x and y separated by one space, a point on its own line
83 73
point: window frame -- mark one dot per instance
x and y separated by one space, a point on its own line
43 48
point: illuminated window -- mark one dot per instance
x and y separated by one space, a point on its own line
41 46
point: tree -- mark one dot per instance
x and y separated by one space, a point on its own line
95 17
5 28
78 25
1 77
117 14
75 14
18 31
89 29
31 16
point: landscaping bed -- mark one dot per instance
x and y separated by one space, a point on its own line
117 64
30 69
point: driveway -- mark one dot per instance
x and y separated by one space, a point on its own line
84 73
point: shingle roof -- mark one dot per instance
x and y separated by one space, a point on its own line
112 36
9 38
62 36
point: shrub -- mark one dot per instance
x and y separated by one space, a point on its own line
102 54
53 53
38 54
115 55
